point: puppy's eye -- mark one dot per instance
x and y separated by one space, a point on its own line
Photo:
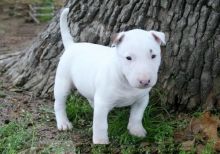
128 58
153 56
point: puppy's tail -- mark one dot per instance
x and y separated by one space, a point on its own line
65 33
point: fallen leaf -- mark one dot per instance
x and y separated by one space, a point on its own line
196 126
144 144
199 132
188 145
210 126
207 126
199 148
179 136
217 145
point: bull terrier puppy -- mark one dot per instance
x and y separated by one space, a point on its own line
108 77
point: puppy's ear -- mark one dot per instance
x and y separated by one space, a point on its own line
159 37
117 39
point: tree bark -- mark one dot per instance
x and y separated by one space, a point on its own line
190 71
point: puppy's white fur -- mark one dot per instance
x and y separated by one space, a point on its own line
108 77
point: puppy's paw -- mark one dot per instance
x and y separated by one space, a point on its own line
64 125
100 140
138 131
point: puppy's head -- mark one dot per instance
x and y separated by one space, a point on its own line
139 56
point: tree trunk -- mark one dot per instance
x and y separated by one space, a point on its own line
190 71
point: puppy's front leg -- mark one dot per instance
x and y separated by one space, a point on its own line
100 124
135 126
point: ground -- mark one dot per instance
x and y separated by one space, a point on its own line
19 107
27 123
16 34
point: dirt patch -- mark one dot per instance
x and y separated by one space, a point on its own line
18 106
15 104
16 34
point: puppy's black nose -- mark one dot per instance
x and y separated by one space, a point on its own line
144 82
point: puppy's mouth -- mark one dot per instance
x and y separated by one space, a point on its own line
144 87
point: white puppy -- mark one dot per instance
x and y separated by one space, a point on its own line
108 77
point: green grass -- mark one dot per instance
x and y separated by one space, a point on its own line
79 112
59 148
46 11
14 137
158 123
160 126
22 136
209 148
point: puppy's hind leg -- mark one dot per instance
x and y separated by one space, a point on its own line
61 91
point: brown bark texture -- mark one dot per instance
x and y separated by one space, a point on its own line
190 70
